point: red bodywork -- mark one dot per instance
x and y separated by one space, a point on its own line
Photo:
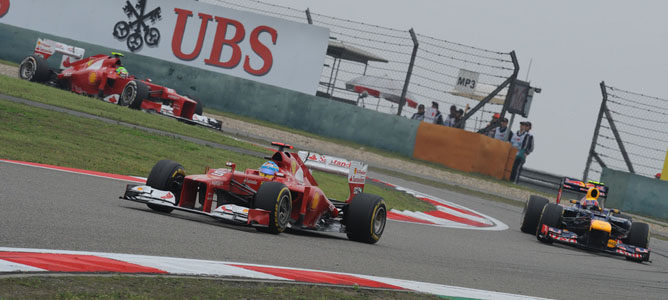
309 203
98 73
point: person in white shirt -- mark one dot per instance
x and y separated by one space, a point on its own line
523 141
502 132
432 115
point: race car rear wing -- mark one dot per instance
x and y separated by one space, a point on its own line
46 48
355 170
582 187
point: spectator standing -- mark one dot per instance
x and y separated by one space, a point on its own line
489 129
451 119
502 132
419 115
458 119
523 141
433 115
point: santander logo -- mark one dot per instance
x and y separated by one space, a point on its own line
262 53
4 7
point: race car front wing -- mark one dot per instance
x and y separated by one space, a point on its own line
226 212
615 247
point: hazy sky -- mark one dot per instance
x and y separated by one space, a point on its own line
574 46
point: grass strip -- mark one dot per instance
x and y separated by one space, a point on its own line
43 136
56 97
167 287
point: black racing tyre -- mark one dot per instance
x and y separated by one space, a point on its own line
638 235
365 218
133 94
531 213
166 175
199 108
274 197
34 68
551 216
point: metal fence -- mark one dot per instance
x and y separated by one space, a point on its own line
385 54
630 135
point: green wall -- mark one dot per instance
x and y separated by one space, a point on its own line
636 194
245 97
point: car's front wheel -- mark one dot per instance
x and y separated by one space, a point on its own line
638 236
166 175
365 218
551 216
274 197
531 213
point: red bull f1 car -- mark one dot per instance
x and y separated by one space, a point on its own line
586 224
105 77
281 194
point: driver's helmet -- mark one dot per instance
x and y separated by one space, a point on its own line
122 72
590 200
268 170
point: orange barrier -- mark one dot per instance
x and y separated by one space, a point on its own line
463 150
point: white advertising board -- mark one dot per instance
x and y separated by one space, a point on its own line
467 81
243 44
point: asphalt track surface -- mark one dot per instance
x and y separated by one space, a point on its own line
56 210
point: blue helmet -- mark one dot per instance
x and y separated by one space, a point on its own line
268 169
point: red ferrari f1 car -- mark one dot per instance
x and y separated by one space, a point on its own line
281 194
104 76
586 224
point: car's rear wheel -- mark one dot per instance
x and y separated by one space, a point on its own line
199 108
34 68
133 94
274 197
166 175
551 216
531 213
365 218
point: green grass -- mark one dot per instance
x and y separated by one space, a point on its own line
164 287
43 136
56 97
9 63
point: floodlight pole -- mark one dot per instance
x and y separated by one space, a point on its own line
402 100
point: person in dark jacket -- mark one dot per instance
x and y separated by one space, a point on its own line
419 115
523 141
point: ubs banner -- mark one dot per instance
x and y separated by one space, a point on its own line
243 44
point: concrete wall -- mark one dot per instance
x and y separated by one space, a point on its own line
636 194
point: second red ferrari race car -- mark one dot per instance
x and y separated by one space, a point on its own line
105 76
281 194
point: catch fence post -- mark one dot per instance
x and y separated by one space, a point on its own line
402 100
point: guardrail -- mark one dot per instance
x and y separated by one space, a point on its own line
544 182
540 181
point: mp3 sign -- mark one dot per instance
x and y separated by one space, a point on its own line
243 44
